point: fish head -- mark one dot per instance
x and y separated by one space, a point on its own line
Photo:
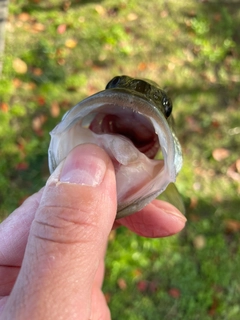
131 121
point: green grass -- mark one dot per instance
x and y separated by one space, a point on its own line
72 49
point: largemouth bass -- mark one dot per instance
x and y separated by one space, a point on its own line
131 119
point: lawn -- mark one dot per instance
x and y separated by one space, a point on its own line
59 52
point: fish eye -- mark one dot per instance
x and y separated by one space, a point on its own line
112 83
167 105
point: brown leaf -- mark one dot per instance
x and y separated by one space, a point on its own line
215 124
142 285
70 43
232 226
37 122
37 71
132 16
142 66
24 16
112 235
174 292
193 125
193 202
17 83
199 242
232 171
41 100
238 165
107 297
19 66
220 154
4 107
61 28
100 10
22 166
55 109
122 284
137 272
38 27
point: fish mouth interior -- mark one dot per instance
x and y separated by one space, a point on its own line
128 123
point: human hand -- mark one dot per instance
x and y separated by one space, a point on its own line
52 247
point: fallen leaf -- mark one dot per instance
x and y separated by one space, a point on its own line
142 66
215 124
41 100
112 235
238 165
107 297
61 61
70 43
214 307
122 284
17 83
174 292
217 17
164 14
55 109
100 10
22 166
24 16
137 272
37 71
193 124
193 202
232 171
220 154
19 66
37 122
38 27
61 28
232 226
4 107
142 285
132 16
199 242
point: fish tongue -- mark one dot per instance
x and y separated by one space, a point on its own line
119 148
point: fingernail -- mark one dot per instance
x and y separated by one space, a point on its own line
85 165
177 214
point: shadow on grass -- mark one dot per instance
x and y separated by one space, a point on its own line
62 5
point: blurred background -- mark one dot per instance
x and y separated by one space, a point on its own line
59 52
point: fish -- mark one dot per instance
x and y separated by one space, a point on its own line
132 121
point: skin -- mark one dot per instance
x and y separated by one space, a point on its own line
52 247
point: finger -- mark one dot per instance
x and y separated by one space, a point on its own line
158 219
99 308
15 229
67 239
8 277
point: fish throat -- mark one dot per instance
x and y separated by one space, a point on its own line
132 125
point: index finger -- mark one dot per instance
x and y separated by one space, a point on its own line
14 231
158 219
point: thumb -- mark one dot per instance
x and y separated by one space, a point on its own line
67 239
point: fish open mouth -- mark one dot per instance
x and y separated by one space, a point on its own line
136 136
132 125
